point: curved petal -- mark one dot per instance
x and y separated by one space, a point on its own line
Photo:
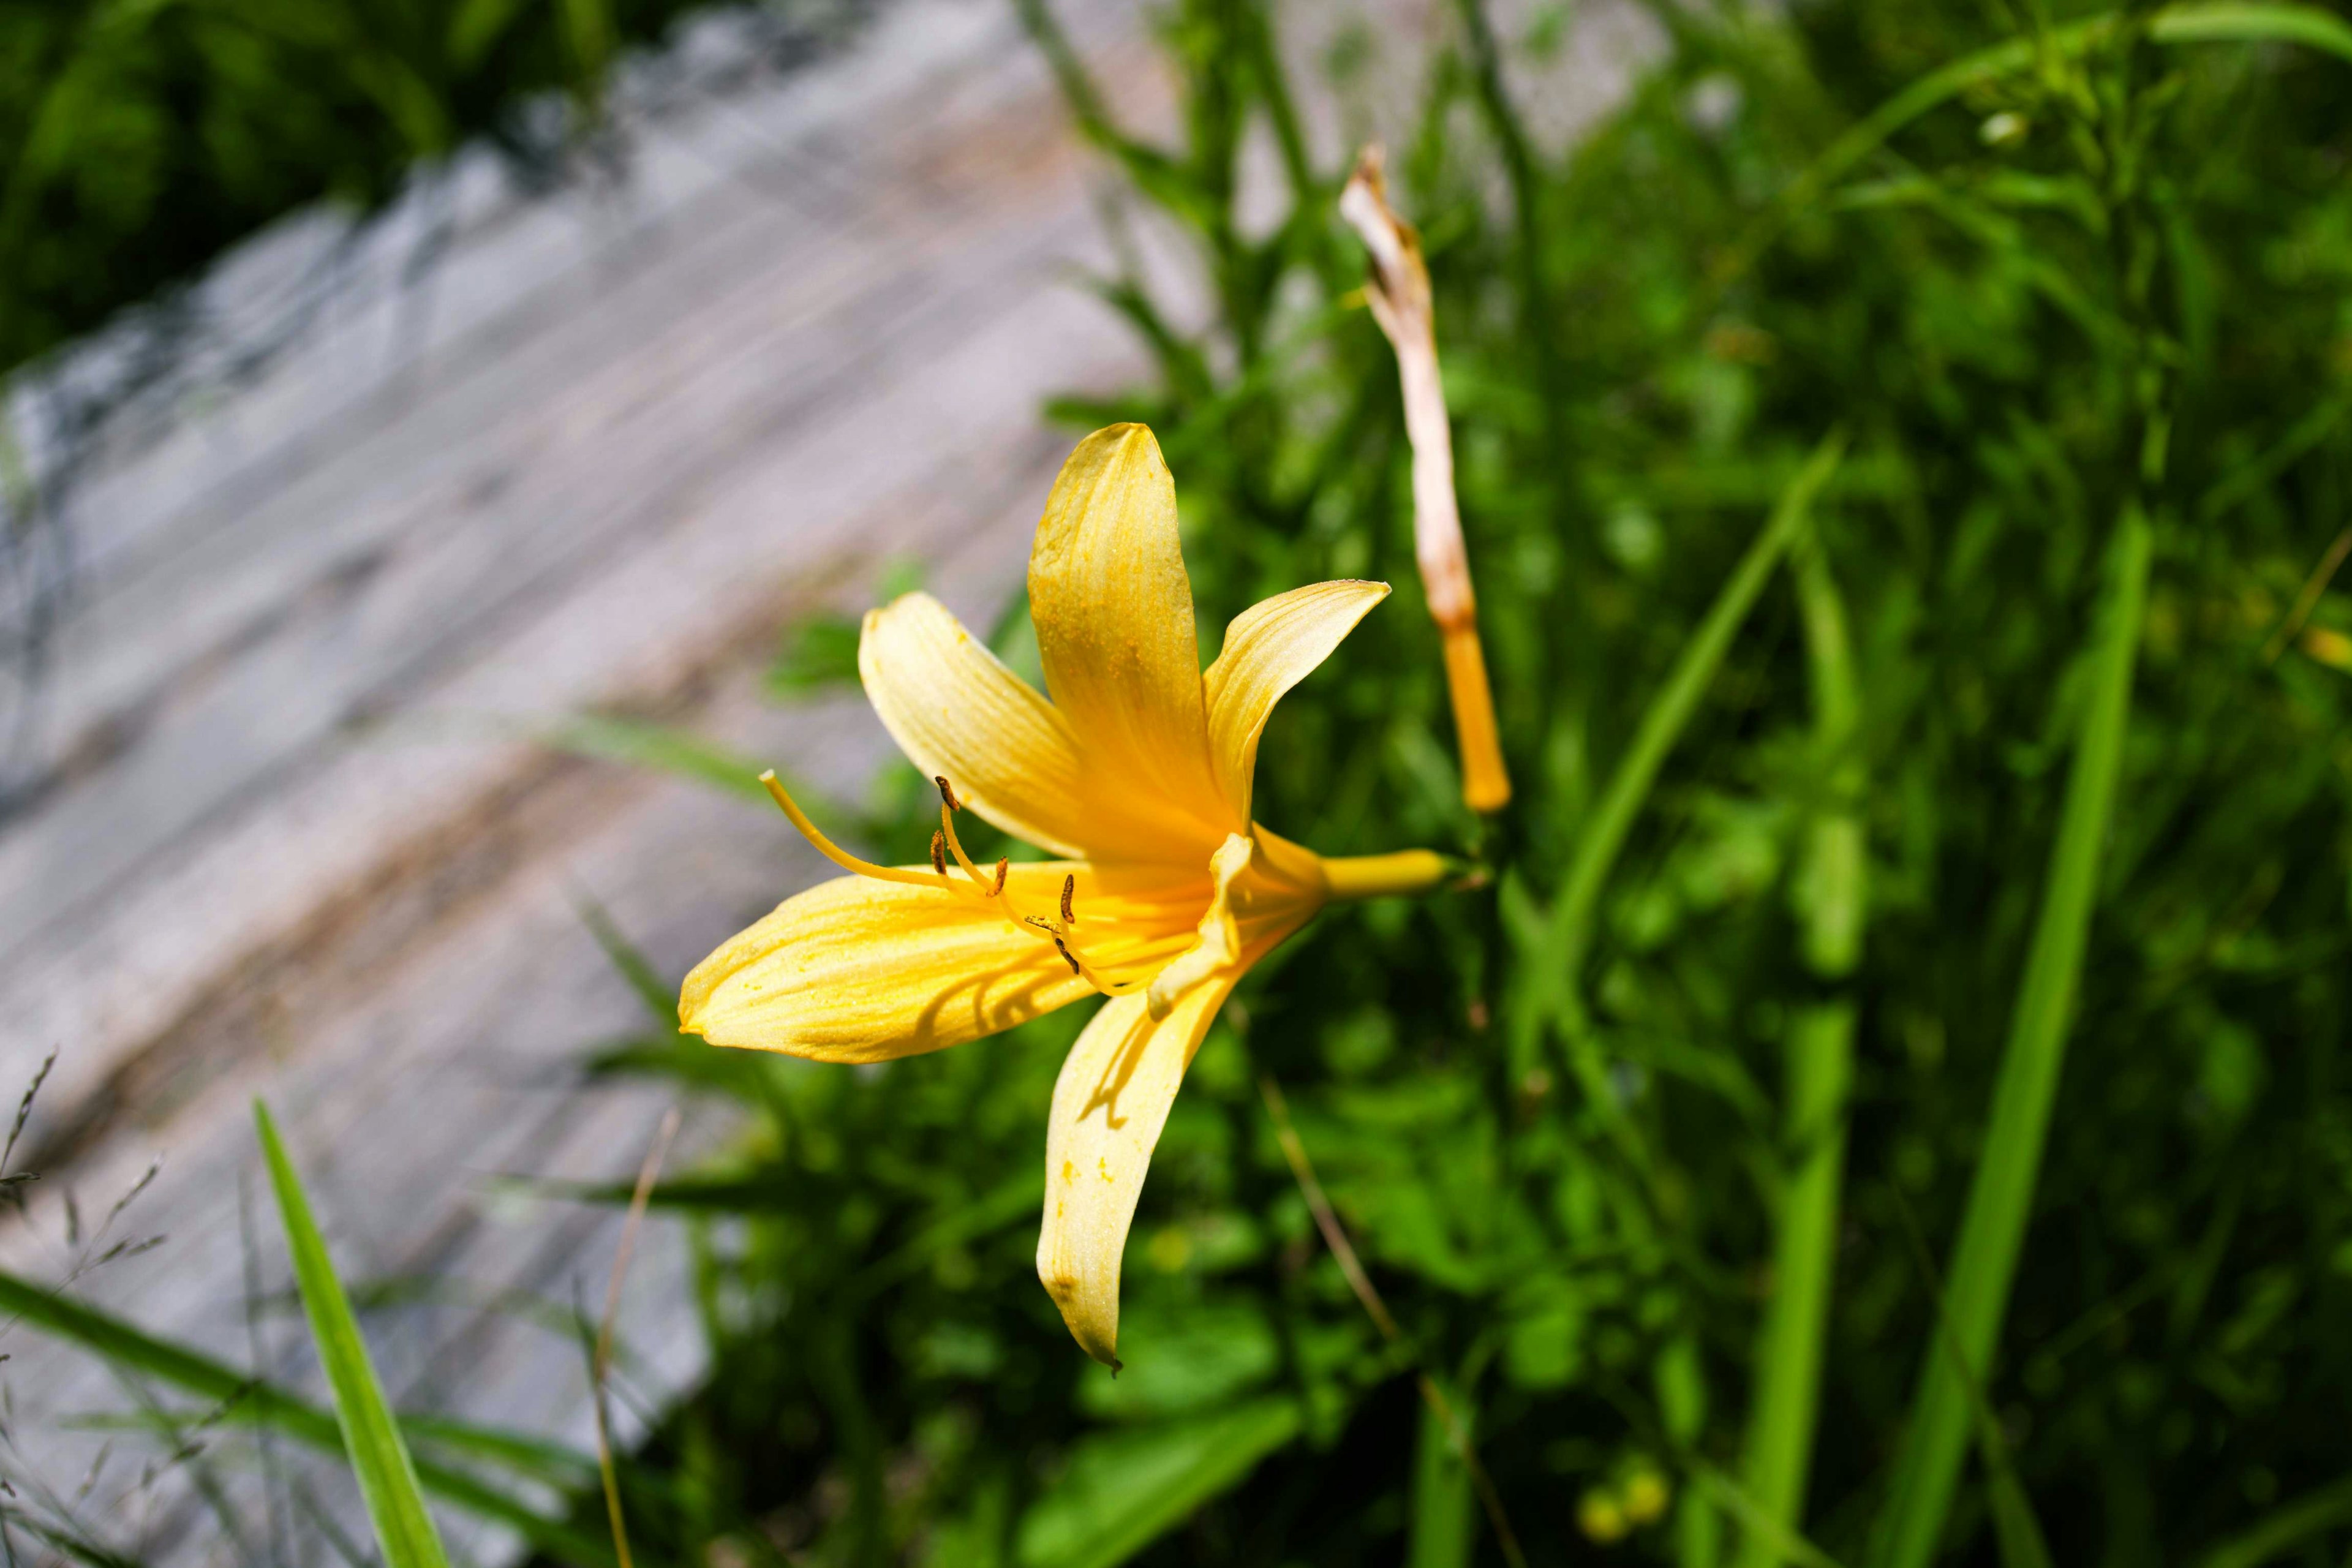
1113 610
1270 647
1217 939
955 709
1110 1105
857 970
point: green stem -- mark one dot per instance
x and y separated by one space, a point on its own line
1789 1347
1831 889
1682 1409
1442 1520
2000 1199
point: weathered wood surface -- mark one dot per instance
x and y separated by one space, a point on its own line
294 847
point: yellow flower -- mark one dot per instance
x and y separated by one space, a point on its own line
1137 773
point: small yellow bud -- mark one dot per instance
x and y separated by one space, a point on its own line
2329 647
1646 1497
1598 1515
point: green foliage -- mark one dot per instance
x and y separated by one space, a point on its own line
231 1398
1917 959
141 138
2078 276
2058 284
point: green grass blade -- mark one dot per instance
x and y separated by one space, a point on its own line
611 738
2229 23
1443 1522
1603 834
372 1438
1791 1343
244 1401
1833 895
656 995
2190 24
2000 1199
1751 1516
2289 1526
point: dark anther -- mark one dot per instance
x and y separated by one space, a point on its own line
1066 958
1002 868
1069 885
946 793
940 851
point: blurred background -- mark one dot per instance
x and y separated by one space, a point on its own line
447 446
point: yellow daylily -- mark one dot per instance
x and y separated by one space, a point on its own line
1137 774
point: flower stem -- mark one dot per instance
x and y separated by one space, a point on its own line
1406 872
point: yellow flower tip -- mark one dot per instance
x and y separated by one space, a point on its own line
1095 1334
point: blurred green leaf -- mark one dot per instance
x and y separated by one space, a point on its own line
1123 1489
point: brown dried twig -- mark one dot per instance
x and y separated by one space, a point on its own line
1343 1252
2308 600
601 1366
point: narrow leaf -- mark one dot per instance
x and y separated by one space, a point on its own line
370 1438
244 1401
2287 1527
2000 1199
1833 898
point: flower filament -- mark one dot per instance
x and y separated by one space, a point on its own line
975 884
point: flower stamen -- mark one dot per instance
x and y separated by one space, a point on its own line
940 854
842 857
949 806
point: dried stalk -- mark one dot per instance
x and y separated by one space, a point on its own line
1398 292
2308 600
1343 1252
602 1367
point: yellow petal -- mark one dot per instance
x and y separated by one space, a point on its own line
1270 647
1110 1105
858 971
956 710
1114 615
